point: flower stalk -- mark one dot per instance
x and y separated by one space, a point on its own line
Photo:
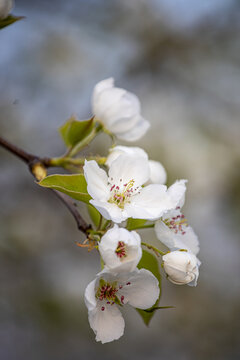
156 250
65 162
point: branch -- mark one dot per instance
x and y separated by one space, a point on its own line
23 155
37 167
81 224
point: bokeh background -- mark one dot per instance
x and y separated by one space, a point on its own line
181 58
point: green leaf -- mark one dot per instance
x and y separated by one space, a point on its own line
149 262
94 215
133 224
74 131
158 308
72 185
10 19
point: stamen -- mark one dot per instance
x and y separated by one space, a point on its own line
107 292
121 250
121 195
177 223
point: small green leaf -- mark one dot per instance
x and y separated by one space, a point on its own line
10 19
94 215
74 131
72 185
133 224
149 262
152 309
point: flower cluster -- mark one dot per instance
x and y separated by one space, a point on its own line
132 186
125 191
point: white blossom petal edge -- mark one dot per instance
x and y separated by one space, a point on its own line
120 249
120 195
158 174
118 110
104 295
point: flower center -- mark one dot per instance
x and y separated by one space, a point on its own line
121 250
177 223
107 291
121 194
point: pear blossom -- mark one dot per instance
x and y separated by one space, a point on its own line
120 195
120 249
181 267
174 232
118 110
5 8
108 292
158 174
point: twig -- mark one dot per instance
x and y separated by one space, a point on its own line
37 167
81 223
22 154
151 247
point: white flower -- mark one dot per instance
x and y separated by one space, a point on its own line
120 249
174 232
105 294
120 195
158 174
181 267
119 111
5 8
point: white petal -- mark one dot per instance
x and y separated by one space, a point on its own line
122 115
5 8
97 181
188 241
127 167
176 193
110 211
108 325
106 97
121 150
137 131
150 204
158 174
89 296
143 290
103 85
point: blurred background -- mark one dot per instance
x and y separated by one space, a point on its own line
181 58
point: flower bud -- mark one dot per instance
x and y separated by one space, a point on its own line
181 267
119 111
5 8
